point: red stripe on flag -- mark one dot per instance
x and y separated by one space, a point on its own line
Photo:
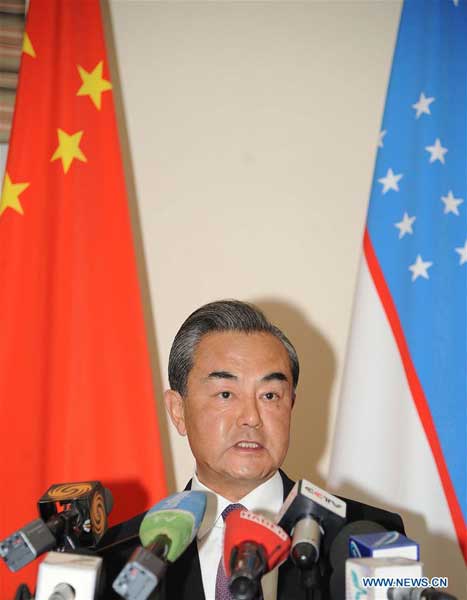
416 389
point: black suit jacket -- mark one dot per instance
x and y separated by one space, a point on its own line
183 580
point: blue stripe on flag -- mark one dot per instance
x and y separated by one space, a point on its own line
417 218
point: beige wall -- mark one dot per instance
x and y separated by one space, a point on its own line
252 130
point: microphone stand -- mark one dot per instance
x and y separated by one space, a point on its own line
311 581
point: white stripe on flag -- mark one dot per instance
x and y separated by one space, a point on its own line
380 451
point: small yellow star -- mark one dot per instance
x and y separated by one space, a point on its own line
93 84
27 46
10 193
68 148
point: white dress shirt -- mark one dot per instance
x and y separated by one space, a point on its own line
266 500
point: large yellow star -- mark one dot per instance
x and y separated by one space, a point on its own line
10 193
68 148
27 46
93 84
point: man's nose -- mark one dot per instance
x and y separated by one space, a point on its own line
250 414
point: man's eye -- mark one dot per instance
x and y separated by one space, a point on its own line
225 395
271 396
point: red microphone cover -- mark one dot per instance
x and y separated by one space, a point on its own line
246 526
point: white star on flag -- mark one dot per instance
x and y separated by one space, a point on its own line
462 251
381 136
451 203
405 226
455 2
420 268
390 182
437 151
423 105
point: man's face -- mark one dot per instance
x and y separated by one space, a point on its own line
236 411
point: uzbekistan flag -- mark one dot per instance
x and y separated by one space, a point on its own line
401 429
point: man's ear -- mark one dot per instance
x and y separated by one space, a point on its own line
175 406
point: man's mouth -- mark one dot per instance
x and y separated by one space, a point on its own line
244 445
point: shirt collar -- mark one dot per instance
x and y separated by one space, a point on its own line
266 499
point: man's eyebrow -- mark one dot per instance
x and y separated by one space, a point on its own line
221 375
277 375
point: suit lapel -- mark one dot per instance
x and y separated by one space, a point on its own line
183 580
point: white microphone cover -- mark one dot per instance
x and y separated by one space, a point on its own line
80 572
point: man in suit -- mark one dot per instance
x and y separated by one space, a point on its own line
233 378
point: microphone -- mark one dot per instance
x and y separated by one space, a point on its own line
23 593
381 571
66 576
166 531
71 515
385 572
307 512
418 594
253 546
389 543
339 551
340 548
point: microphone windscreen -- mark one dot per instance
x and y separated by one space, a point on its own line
245 526
178 517
339 553
339 550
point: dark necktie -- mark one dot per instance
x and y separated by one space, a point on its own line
222 583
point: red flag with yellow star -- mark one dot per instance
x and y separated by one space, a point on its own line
76 395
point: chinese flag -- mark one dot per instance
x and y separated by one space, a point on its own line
76 395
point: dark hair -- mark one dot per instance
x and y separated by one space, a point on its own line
222 315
